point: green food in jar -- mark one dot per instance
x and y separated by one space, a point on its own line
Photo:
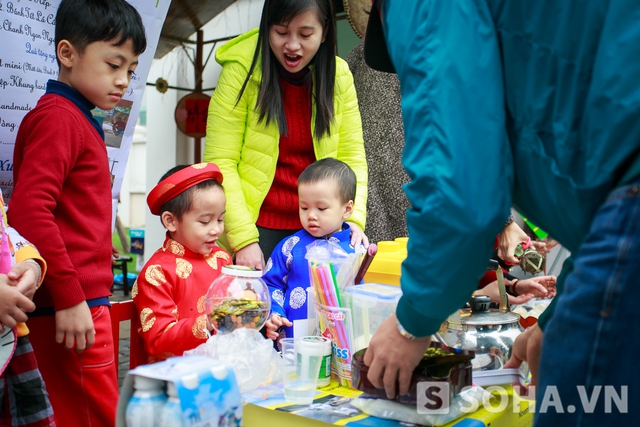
435 352
238 313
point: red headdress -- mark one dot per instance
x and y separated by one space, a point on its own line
180 181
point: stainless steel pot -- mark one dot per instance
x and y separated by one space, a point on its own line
487 331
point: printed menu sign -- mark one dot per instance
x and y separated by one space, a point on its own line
28 61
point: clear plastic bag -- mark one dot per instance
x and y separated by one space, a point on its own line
263 393
331 270
254 360
388 409
343 267
532 308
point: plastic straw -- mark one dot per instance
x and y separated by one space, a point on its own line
339 324
334 282
321 287
324 280
327 285
366 262
317 288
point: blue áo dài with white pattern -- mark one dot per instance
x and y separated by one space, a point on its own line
287 273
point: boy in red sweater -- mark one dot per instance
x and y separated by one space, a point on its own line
62 204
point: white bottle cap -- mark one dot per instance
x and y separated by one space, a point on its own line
171 389
144 383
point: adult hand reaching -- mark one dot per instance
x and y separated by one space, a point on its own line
511 236
391 358
251 256
357 235
526 348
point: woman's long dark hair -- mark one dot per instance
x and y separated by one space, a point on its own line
270 102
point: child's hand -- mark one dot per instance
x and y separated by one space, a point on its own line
272 325
533 287
210 326
26 276
492 291
358 236
114 254
538 286
74 327
13 304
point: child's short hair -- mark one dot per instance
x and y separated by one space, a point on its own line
331 168
182 203
82 22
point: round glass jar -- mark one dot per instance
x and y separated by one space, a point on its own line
238 298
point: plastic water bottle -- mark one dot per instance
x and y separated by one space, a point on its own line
172 411
146 404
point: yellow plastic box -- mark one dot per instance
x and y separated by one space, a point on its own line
385 267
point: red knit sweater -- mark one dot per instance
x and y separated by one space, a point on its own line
62 201
280 208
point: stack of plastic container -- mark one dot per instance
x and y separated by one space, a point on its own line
371 304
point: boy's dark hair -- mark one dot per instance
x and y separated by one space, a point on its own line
330 168
183 202
82 22
270 102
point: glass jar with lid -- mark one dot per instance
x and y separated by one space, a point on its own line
238 298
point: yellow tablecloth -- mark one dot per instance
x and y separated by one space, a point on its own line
517 412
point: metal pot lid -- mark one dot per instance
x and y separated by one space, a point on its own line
489 317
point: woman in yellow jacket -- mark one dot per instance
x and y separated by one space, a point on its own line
282 101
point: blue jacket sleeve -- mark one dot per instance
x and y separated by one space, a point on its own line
456 151
275 276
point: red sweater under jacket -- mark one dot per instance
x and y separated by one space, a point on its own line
279 210
62 201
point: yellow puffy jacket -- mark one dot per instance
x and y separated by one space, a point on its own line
246 151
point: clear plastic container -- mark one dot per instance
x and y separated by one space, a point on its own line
371 304
238 298
499 376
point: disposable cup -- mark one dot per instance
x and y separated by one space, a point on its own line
302 359
324 377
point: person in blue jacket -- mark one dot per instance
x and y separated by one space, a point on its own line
533 104
326 191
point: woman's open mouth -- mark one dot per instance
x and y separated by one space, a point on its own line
292 60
